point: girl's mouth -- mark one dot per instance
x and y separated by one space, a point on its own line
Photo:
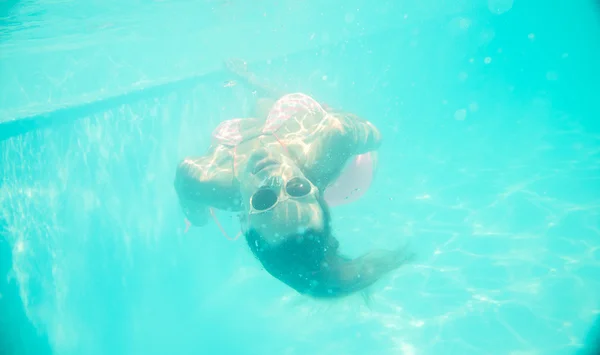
263 164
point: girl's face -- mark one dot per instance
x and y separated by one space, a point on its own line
278 199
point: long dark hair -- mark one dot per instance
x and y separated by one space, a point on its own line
310 262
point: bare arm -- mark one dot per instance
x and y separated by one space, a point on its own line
342 137
202 183
359 136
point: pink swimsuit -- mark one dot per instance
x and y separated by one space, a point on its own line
354 180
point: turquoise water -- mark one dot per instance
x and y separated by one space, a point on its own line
489 172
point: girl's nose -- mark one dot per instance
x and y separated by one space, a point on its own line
258 155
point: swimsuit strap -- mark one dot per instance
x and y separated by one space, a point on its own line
214 216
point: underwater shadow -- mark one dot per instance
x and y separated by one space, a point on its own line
6 8
6 21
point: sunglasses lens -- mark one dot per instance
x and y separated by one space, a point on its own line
264 199
298 187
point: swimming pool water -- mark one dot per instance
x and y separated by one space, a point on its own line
489 172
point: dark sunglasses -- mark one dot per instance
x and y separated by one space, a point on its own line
266 198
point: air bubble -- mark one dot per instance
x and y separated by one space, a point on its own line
464 23
499 7
551 76
460 115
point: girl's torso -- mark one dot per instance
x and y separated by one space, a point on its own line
296 124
